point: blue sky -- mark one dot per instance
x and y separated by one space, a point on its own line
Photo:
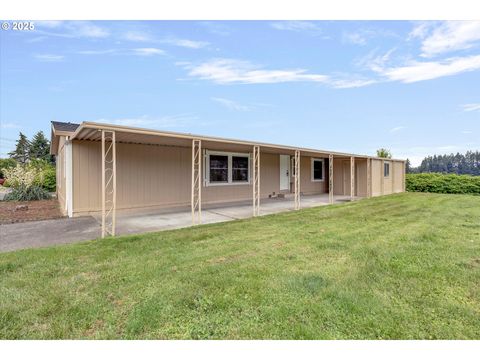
412 87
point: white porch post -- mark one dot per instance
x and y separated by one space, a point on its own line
196 181
109 183
330 179
297 179
369 178
256 180
68 178
352 178
382 178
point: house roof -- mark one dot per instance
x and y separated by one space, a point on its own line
65 127
125 134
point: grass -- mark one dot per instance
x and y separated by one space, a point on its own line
404 266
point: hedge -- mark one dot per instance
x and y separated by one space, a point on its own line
443 183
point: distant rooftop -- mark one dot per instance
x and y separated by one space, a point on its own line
63 126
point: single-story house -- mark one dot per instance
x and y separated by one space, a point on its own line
105 168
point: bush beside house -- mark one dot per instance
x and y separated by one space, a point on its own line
26 182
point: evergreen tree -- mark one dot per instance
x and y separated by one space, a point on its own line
22 150
452 164
40 147
408 167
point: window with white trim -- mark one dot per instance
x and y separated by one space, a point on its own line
218 169
386 169
318 169
225 168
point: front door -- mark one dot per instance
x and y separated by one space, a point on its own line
284 172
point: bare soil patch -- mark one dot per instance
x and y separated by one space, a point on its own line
16 211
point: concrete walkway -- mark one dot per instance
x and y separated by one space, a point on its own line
64 231
47 232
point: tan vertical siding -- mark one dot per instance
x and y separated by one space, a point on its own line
399 174
160 176
307 186
387 181
338 177
377 173
360 177
391 184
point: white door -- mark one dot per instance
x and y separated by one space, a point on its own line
284 172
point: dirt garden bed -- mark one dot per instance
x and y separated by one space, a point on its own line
20 211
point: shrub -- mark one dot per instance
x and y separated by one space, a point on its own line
23 193
49 178
6 164
443 183
28 182
20 176
38 172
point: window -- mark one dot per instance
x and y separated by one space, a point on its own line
317 169
386 169
239 168
223 168
218 168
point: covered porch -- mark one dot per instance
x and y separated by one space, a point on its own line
222 179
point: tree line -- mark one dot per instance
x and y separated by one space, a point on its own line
36 149
461 164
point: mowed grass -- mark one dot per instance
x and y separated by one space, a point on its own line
404 266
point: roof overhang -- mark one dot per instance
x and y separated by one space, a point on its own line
131 135
55 137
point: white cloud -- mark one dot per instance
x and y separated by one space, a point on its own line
51 24
467 132
471 107
415 71
230 71
148 51
362 35
354 38
299 26
171 121
97 52
421 29
191 44
136 51
350 83
71 29
374 62
397 128
87 29
231 105
447 36
49 57
137 36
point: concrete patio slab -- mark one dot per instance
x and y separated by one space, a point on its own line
69 230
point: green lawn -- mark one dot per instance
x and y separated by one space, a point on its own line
401 266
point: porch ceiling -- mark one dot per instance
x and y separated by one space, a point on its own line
92 131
